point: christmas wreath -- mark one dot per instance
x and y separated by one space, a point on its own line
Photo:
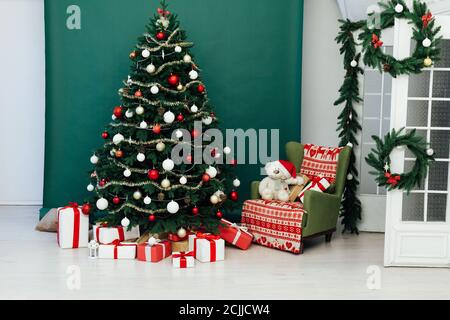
380 160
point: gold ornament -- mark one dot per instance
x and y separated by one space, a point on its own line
161 196
180 87
187 200
427 62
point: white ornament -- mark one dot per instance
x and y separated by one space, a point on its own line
178 49
181 232
236 182
102 204
187 58
112 152
426 42
168 164
183 180
430 152
169 117
207 121
145 53
113 117
160 147
129 113
399 8
137 195
143 125
217 155
212 172
194 108
353 64
129 81
173 207
140 157
150 68
165 183
127 173
125 222
147 200
178 134
140 110
94 159
193 75
349 176
180 87
90 187
154 89
214 199
227 150
152 241
118 138
350 145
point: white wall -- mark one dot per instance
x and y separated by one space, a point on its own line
22 101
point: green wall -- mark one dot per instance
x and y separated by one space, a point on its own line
249 50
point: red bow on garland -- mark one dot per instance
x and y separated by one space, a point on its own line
377 43
391 179
163 13
426 19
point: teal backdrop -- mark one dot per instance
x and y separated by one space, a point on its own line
249 51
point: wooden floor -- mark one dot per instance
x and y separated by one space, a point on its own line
33 267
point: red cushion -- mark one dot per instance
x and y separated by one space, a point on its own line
320 161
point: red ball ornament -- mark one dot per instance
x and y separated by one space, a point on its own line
153 174
151 217
116 200
160 35
86 208
105 135
189 158
195 133
234 196
219 214
206 177
201 88
119 154
173 80
156 129
133 55
180 117
138 93
195 211
102 183
118 111
233 162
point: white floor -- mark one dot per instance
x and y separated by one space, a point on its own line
33 267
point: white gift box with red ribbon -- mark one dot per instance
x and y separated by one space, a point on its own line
73 227
106 235
117 250
317 184
182 260
207 247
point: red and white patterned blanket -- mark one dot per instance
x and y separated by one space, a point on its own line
274 224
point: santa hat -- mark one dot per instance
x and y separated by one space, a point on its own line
288 168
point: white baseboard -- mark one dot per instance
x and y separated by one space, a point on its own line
21 203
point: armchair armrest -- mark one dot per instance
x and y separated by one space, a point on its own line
254 190
322 211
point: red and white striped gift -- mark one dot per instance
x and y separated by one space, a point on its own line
106 235
316 184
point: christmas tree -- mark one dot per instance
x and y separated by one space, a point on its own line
157 168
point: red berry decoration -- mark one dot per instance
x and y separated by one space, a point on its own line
206 177
180 117
234 196
151 217
219 214
156 129
119 154
86 208
138 93
102 183
116 200
105 135
160 35
153 174
195 211
118 111
173 80
201 88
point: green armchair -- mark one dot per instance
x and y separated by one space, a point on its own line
322 209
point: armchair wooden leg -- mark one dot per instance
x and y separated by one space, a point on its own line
302 246
328 237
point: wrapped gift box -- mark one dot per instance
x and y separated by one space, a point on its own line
183 259
274 224
106 235
236 235
73 227
154 251
317 184
207 247
117 250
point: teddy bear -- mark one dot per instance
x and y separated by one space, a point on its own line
280 174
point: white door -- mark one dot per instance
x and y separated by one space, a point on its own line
418 225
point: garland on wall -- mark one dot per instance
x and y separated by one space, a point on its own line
425 53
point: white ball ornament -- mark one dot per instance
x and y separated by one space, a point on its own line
169 117
178 49
349 176
183 180
350 145
193 75
178 134
165 183
140 157
168 164
147 200
102 204
194 108
207 121
137 195
160 146
398 8
353 64
214 199
173 207
181 232
430 152
127 173
426 42
227 150
112 153
143 125
236 183
150 68
187 58
145 53
90 187
129 113
212 172
125 222
113 117
94 159
154 89
140 110
118 138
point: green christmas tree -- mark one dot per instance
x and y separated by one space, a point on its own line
156 168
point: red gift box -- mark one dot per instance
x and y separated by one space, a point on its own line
155 252
236 235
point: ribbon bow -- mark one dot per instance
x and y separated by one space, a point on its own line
426 19
72 205
153 241
377 43
163 12
206 236
183 254
391 179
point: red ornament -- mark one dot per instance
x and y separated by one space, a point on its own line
189 158
119 154
377 43
138 93
105 135
195 133
219 214
116 200
151 217
233 162
206 177
118 111
234 195
426 19
195 211
133 55
180 117
201 88
153 174
156 129
173 80
102 183
160 35
86 208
